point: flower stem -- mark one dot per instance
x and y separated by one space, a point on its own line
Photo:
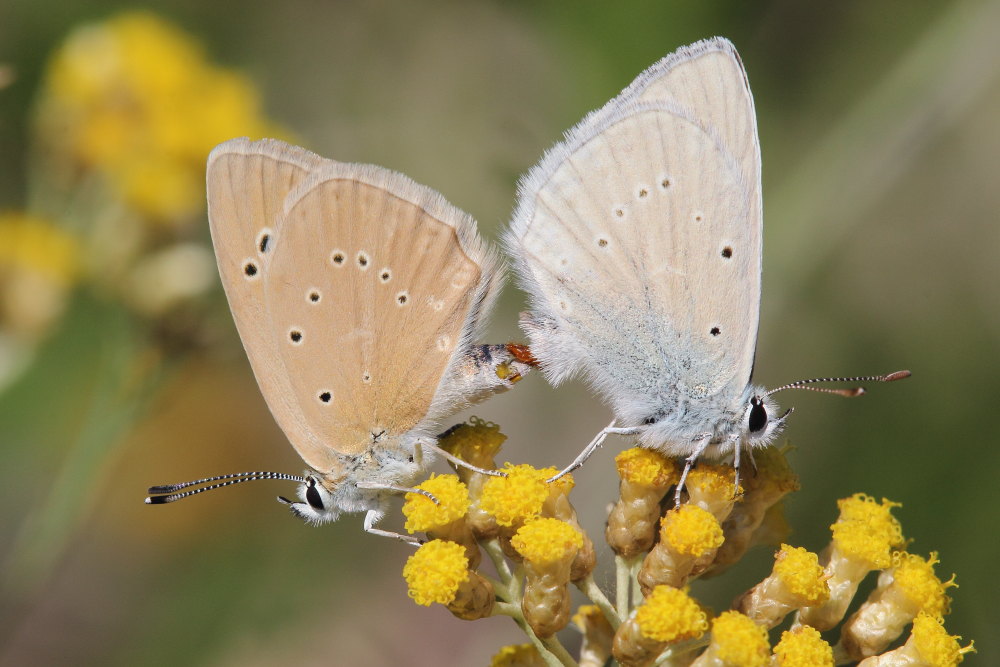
621 586
596 595
493 550
552 651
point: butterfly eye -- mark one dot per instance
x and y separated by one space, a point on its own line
313 497
758 415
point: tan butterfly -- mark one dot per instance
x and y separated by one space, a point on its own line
358 295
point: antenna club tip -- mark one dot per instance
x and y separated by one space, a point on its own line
898 375
158 500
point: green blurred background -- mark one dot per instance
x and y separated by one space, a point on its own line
879 132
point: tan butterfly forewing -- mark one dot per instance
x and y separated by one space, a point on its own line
247 182
369 292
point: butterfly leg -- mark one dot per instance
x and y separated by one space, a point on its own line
374 516
700 447
753 463
736 466
589 450
459 462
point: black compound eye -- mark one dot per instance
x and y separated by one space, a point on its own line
758 415
313 497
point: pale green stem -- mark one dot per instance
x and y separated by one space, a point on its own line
499 588
552 651
622 585
596 595
493 550
122 391
634 566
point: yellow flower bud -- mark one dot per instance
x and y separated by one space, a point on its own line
548 547
796 581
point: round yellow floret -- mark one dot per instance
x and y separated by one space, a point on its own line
476 440
803 647
435 571
801 573
517 655
669 614
516 497
646 467
934 644
915 577
739 642
547 541
866 530
690 530
713 480
423 514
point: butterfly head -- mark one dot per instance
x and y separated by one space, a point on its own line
317 499
761 422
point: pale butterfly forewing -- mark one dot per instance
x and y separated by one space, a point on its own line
707 80
645 197
247 182
372 292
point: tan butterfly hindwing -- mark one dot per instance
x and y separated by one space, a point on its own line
620 228
375 289
247 182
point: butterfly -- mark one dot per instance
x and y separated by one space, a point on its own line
358 295
638 241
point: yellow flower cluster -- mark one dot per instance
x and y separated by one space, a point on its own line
530 532
736 642
803 646
435 572
424 514
517 496
669 614
135 100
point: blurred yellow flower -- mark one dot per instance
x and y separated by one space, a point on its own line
38 265
135 99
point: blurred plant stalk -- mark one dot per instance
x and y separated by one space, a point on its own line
111 249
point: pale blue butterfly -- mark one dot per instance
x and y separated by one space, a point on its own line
638 240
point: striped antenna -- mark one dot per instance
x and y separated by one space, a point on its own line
168 493
854 391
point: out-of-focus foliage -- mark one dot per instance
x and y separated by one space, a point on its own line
120 368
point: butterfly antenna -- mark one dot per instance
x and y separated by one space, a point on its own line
854 391
168 493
